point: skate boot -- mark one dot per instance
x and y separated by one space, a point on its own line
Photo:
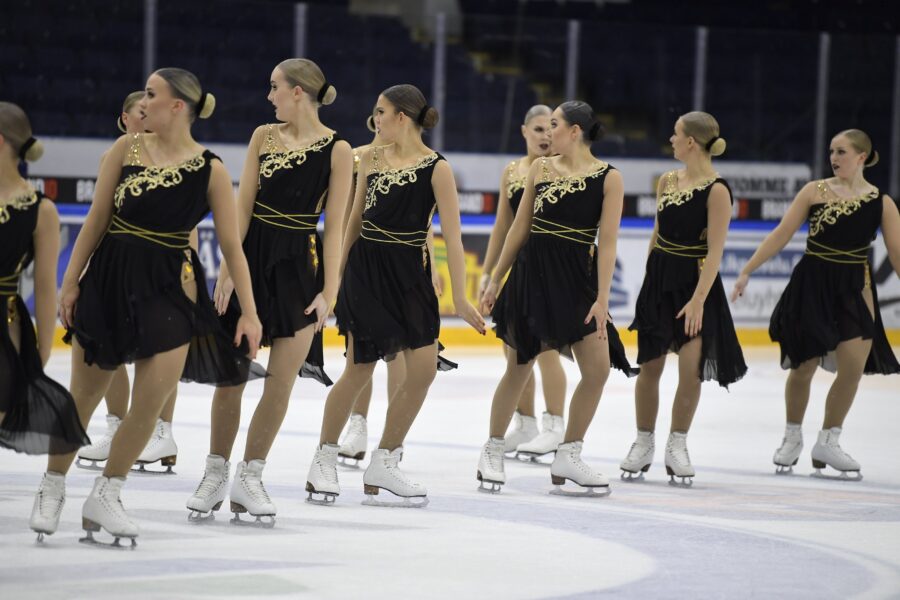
99 450
490 466
523 431
787 455
103 509
48 505
568 465
353 447
322 479
827 451
639 457
212 490
678 463
248 495
551 436
161 447
384 473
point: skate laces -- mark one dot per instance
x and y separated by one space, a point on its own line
208 485
679 453
50 504
254 486
494 455
356 427
329 474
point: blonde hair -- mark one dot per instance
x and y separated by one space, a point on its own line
538 110
862 143
130 100
704 128
16 130
308 75
185 86
409 100
370 123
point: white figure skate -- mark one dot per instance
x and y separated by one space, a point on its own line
490 466
828 452
524 429
161 448
89 457
353 446
104 509
212 490
678 462
384 473
248 495
48 505
567 465
789 453
551 436
639 458
322 480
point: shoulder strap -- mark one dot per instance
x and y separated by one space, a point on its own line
271 145
134 151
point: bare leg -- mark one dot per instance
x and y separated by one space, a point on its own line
226 419
168 411
687 394
526 398
421 367
361 406
796 390
509 389
396 375
118 393
87 386
592 356
342 396
285 359
154 380
553 382
851 362
646 393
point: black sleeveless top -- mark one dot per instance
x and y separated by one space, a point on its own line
843 224
18 220
682 217
515 186
567 206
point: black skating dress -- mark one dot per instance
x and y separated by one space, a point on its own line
823 303
387 300
41 417
132 304
553 282
673 270
282 245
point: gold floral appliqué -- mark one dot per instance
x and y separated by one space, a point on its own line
672 196
18 203
150 178
382 181
514 183
836 207
289 159
559 187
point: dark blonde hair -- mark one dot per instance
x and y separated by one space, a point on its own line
308 75
538 110
704 128
130 100
862 143
16 130
576 112
185 86
409 100
370 123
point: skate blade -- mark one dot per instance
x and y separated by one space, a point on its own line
90 527
484 483
40 537
784 469
686 481
325 499
345 460
631 476
844 475
535 459
139 469
82 463
195 516
261 522
584 492
403 502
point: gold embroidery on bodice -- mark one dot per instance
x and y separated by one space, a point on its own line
672 196
558 187
382 181
18 203
514 183
150 178
275 160
835 207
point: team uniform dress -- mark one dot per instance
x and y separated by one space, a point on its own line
41 417
282 245
673 270
515 186
132 303
386 299
553 282
823 303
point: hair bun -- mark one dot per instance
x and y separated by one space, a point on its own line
872 160
370 123
431 118
208 106
121 125
34 152
329 96
718 147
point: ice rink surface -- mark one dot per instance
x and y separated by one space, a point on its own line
740 532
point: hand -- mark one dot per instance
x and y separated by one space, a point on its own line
470 315
739 286
437 282
68 296
693 317
322 308
222 293
483 284
599 312
489 298
249 326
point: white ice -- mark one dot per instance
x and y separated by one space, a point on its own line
740 532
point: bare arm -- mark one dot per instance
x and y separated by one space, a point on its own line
444 186
520 230
92 231
610 218
46 256
247 188
354 224
501 228
890 227
779 237
435 276
221 201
